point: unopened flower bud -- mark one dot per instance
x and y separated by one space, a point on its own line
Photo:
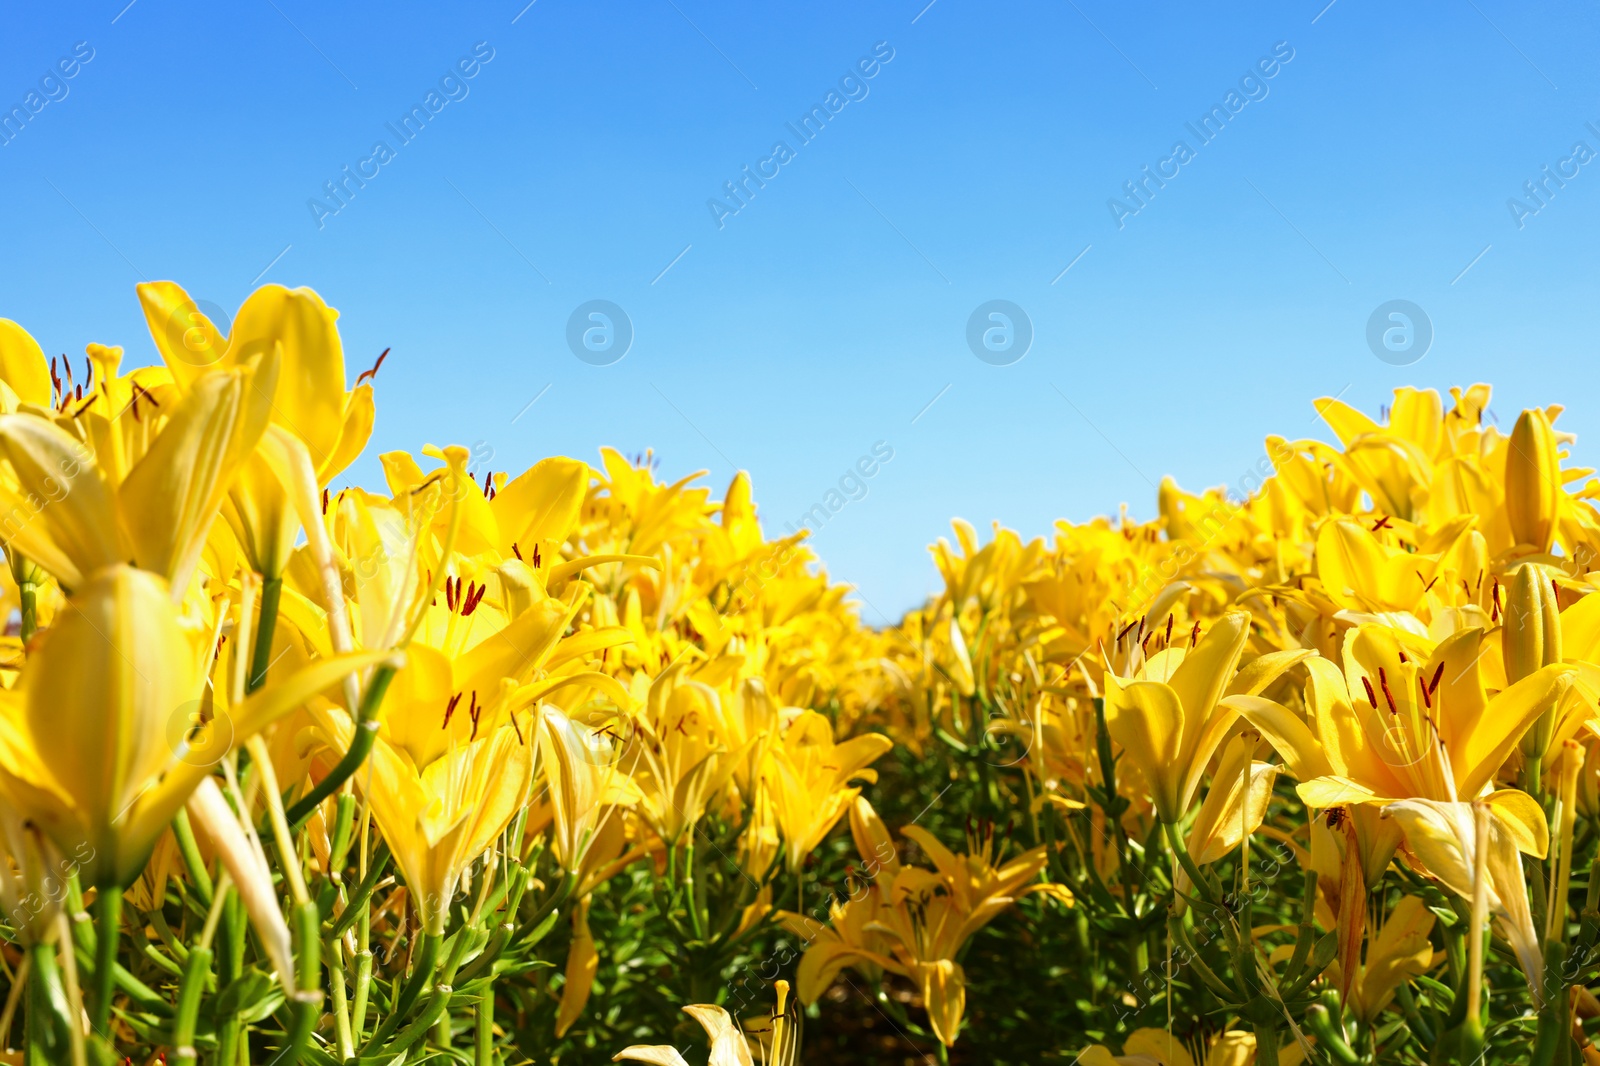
1533 481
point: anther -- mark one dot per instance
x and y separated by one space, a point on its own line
1383 682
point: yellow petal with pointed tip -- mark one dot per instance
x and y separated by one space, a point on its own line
657 1054
541 504
23 366
1288 734
64 518
189 342
1350 563
944 996
360 412
171 496
1509 715
309 397
1147 719
1522 817
1256 675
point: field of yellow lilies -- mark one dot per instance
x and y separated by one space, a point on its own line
573 764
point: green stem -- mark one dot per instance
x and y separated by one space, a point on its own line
363 893
190 851
1114 805
1533 776
421 976
697 891
1306 934
435 1010
189 992
230 1030
341 1001
1196 875
343 826
360 744
48 1038
363 991
1266 1042
30 609
108 908
307 998
358 1008
1420 1026
464 938
1218 986
483 1046
261 655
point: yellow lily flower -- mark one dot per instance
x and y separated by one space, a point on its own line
141 481
809 779
441 815
1229 813
308 398
95 741
468 646
1157 1047
1442 843
852 936
1402 720
929 916
1167 717
1421 583
912 921
1397 952
539 509
778 1037
585 782
677 754
728 1045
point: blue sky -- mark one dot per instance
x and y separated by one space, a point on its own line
826 315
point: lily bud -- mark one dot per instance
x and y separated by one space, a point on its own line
1533 481
1529 641
1532 624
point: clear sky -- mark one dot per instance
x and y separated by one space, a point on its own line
1367 154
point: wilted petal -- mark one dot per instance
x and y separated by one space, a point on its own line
251 877
583 961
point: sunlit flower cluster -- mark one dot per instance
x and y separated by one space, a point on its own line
296 771
1381 665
